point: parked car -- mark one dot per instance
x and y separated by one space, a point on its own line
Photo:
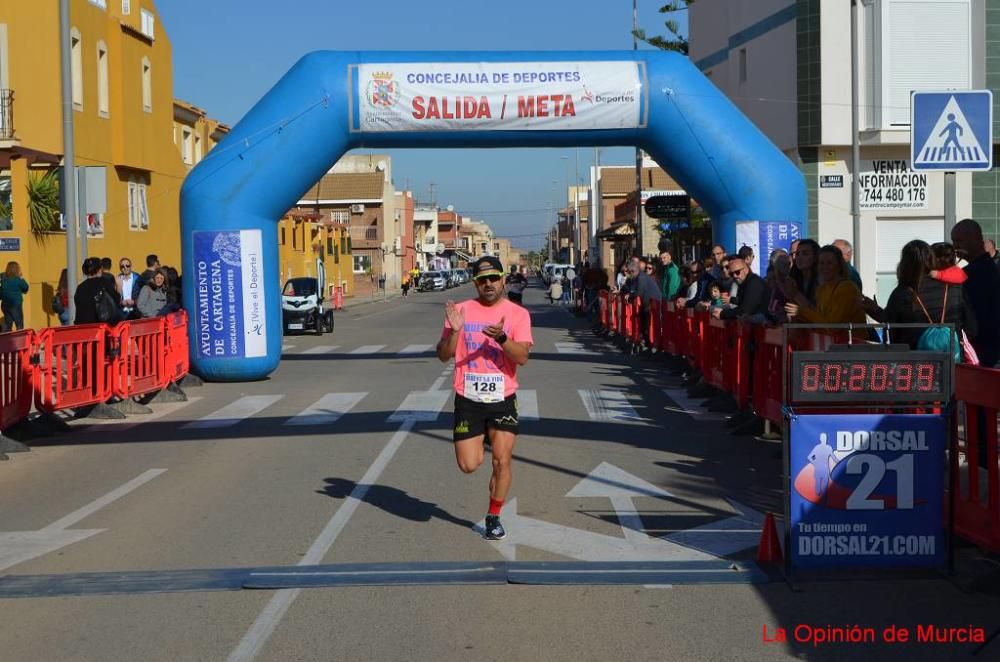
463 275
302 307
432 280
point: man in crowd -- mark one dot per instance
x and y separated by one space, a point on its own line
751 293
152 266
718 253
981 290
991 250
90 291
647 290
107 271
670 277
128 285
848 252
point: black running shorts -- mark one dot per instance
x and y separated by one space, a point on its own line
473 418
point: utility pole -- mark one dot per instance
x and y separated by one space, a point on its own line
577 239
855 139
69 169
638 152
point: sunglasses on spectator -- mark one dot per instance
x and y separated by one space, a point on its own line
737 272
491 279
124 265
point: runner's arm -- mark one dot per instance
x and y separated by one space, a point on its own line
517 351
446 346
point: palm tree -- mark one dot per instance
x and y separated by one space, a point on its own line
43 201
675 41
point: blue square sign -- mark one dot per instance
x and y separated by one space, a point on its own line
951 130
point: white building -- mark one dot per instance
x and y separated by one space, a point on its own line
787 65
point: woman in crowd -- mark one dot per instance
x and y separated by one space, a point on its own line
60 300
779 263
837 297
12 290
803 275
153 299
920 299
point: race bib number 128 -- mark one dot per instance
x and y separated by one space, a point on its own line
484 387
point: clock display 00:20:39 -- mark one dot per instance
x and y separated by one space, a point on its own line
869 376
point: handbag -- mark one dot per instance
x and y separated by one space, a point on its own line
939 338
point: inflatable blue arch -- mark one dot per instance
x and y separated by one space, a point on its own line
332 102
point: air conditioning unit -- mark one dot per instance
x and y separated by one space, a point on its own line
397 246
357 209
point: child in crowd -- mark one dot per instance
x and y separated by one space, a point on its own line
715 296
945 268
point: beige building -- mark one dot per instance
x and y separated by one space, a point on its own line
195 133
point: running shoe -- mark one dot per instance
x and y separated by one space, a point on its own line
494 529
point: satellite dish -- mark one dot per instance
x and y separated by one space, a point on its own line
380 166
450 207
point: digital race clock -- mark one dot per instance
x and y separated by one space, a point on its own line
870 376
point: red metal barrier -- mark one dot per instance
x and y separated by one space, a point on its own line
16 377
74 368
603 298
977 505
740 370
140 366
714 355
655 319
178 346
768 366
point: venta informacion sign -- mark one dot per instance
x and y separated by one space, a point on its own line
891 184
497 96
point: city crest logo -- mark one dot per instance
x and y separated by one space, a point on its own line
383 91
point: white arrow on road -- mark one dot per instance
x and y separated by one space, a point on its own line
727 536
583 545
20 546
608 481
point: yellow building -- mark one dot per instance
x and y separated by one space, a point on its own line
123 120
195 134
307 236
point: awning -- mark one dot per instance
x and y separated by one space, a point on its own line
32 156
623 231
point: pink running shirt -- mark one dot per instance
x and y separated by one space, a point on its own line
478 354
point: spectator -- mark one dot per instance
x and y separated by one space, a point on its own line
848 252
12 290
129 286
60 300
713 298
982 290
647 291
751 294
174 288
93 287
944 267
153 300
718 254
778 267
991 250
621 276
837 298
726 281
918 298
746 254
152 264
793 249
803 272
696 284
108 274
670 276
405 285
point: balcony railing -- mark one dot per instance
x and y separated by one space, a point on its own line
364 234
6 114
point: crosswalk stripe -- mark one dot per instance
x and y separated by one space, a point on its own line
527 405
416 349
327 410
367 349
573 348
286 347
234 412
322 349
420 406
610 406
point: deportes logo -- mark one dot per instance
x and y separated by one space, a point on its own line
383 91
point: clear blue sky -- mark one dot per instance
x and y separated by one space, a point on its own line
228 53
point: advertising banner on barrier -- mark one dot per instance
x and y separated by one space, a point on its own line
497 96
763 237
867 490
229 301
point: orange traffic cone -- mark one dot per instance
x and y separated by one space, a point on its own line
769 549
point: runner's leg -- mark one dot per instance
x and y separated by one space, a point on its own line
502 444
469 453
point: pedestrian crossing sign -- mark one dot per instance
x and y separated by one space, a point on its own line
951 130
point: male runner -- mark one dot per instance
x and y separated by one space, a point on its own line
489 337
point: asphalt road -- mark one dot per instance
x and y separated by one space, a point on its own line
342 457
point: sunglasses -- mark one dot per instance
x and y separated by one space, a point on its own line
737 272
124 265
490 279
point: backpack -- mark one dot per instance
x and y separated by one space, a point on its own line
939 338
105 309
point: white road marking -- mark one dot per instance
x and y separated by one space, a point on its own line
20 546
322 349
609 406
367 349
611 482
122 424
286 347
234 412
327 409
416 349
573 348
527 405
420 406
691 406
